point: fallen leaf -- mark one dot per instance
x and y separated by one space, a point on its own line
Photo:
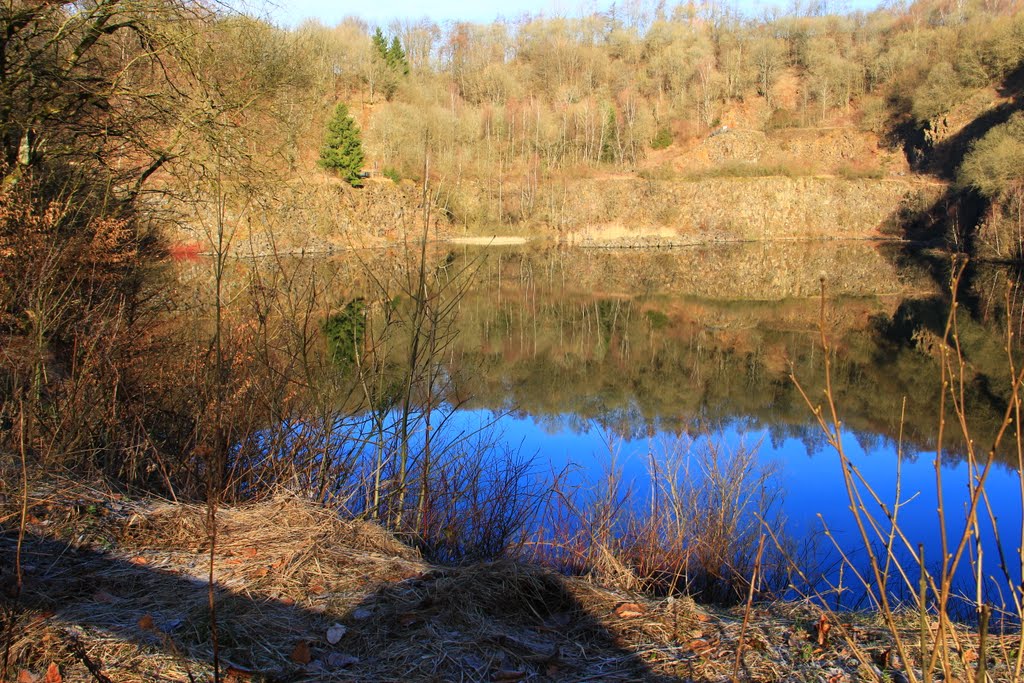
249 552
53 674
698 645
103 596
286 601
700 616
236 674
316 589
509 675
629 610
407 619
362 613
338 660
823 628
335 633
146 623
25 676
970 656
301 653
139 560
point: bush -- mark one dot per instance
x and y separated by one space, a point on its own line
391 173
662 139
996 161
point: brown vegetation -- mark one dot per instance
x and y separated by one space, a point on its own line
117 594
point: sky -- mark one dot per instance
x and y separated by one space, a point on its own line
330 12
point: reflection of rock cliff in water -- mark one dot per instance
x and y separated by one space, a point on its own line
758 271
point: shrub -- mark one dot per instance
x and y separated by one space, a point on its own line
662 139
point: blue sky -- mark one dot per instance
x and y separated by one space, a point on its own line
290 13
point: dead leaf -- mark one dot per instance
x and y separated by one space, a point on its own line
25 676
286 601
146 623
361 613
139 560
407 619
53 674
823 628
235 674
103 596
970 656
629 610
335 633
249 552
316 588
700 616
698 645
509 675
301 653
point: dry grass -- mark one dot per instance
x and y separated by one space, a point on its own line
115 591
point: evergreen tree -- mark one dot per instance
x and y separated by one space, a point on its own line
396 57
380 44
343 150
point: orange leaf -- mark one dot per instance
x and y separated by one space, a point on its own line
823 628
25 676
249 552
629 610
53 674
146 623
235 674
301 653
286 601
139 559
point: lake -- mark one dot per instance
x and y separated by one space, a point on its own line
589 361
585 356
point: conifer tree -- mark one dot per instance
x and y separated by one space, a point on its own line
343 150
380 44
396 57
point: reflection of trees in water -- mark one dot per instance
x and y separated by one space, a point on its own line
631 362
628 339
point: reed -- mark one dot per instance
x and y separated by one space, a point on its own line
923 622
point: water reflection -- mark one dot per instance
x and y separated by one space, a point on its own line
593 351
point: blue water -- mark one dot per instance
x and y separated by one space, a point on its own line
809 477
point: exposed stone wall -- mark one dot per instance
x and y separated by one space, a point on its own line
739 208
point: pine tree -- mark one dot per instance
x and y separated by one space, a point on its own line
343 150
396 57
380 45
